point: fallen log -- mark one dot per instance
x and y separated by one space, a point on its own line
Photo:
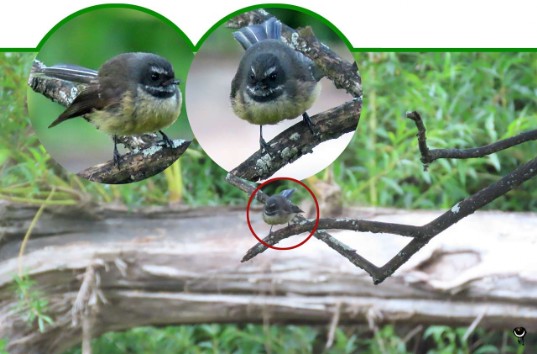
103 269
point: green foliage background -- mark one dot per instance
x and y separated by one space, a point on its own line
466 100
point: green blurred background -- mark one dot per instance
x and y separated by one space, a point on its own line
466 100
88 39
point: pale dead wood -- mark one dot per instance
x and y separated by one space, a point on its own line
163 266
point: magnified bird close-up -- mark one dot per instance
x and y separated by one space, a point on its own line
131 94
273 81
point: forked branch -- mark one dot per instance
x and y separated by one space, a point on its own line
421 234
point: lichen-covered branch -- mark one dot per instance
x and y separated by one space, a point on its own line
136 165
297 141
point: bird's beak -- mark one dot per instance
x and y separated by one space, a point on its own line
171 82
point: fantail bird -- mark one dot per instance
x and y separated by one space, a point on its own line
131 94
279 209
273 81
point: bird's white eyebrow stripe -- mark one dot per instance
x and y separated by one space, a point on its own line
158 69
270 71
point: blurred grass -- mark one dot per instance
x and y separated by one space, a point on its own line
466 100
292 339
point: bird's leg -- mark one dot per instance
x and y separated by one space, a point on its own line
262 143
117 157
270 231
310 125
166 140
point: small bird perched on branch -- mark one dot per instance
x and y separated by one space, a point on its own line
279 209
273 81
131 94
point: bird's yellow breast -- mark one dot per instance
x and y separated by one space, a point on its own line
274 111
145 114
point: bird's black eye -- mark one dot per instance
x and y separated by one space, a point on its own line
155 76
272 77
252 76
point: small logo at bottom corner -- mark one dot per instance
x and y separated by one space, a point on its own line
520 333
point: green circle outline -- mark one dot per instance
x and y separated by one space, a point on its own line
272 6
197 46
113 6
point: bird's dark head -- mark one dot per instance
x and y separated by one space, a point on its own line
155 75
273 205
266 78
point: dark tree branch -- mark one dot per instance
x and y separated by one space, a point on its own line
421 234
277 236
430 155
146 158
137 165
261 166
297 141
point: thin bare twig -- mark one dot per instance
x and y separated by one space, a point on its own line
430 155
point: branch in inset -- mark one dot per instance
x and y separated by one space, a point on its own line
136 165
298 141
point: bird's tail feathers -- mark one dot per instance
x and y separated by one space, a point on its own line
250 35
73 73
296 209
287 193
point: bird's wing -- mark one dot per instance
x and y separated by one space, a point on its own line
84 103
296 209
316 73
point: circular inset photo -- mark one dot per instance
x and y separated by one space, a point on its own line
248 84
105 96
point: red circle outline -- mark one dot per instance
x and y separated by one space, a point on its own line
250 224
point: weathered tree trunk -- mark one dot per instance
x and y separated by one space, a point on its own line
104 269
